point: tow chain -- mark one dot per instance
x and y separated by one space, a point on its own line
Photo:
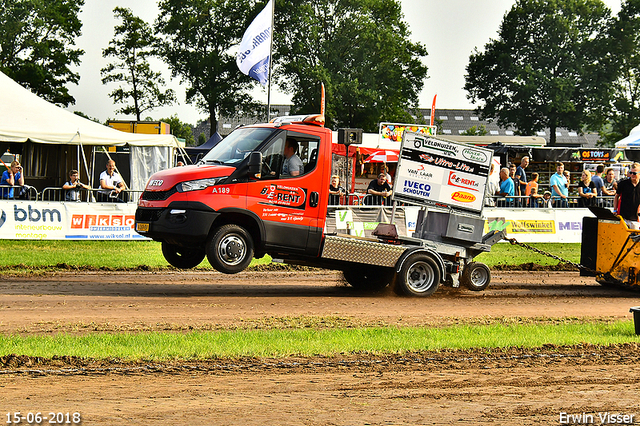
514 242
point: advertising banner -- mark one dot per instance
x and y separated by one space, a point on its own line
525 225
29 220
435 171
394 131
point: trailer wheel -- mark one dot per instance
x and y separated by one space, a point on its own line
366 277
419 276
476 276
230 249
180 257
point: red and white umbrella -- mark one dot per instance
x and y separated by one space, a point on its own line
382 156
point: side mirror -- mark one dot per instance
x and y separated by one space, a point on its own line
255 164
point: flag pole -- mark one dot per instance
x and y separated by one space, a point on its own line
273 9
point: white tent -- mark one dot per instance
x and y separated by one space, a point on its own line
631 141
26 118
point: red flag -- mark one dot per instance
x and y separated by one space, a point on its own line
433 109
322 100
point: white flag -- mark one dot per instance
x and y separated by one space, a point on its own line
255 47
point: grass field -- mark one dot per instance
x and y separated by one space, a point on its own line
312 342
26 256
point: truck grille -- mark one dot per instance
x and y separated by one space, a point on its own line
148 215
158 195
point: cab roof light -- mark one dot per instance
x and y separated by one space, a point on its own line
315 119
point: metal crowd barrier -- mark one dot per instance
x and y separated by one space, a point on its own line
84 195
25 192
537 202
351 199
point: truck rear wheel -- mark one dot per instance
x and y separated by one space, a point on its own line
230 249
180 257
419 276
367 277
476 276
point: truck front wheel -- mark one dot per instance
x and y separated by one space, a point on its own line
180 257
230 249
419 276
366 277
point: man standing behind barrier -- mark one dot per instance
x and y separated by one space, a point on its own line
522 175
628 193
12 176
335 191
610 186
506 188
559 189
111 183
379 190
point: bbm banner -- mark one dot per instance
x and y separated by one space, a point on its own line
432 170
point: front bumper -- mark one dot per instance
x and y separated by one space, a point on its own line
182 224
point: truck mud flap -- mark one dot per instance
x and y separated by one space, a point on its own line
361 250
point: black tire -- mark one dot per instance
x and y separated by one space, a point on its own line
230 249
476 276
419 276
180 257
366 277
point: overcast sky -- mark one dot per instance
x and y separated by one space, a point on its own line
450 30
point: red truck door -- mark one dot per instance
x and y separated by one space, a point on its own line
287 196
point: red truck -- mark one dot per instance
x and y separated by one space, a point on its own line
237 204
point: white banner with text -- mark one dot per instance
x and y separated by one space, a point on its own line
526 225
29 220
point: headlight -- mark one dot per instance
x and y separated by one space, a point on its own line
197 185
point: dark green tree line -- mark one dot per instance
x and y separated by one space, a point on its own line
623 111
552 65
196 40
132 46
360 50
37 39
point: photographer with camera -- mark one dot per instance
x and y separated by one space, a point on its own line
11 177
73 187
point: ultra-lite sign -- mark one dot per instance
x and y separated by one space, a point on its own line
436 171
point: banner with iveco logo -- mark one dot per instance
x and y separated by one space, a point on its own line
437 171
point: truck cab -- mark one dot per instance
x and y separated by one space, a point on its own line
239 201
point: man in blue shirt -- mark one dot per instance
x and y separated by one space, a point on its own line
559 187
522 174
506 187
11 177
598 182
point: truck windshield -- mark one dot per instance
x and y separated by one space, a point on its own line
235 147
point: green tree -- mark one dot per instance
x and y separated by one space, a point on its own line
550 67
132 46
196 42
180 129
360 50
36 45
623 111
480 130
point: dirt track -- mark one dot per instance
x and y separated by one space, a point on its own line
477 387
